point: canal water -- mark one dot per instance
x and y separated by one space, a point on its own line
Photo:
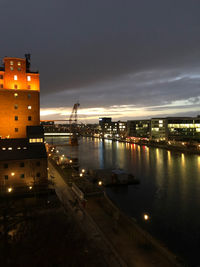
169 189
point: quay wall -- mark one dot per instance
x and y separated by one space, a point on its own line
138 234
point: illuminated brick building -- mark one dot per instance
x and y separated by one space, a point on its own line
23 159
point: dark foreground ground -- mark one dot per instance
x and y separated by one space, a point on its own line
46 235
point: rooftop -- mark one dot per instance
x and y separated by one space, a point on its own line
18 149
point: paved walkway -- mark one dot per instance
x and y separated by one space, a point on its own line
66 196
114 239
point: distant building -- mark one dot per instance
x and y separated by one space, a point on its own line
122 128
176 129
159 129
138 128
23 158
183 128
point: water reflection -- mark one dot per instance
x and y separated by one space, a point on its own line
169 188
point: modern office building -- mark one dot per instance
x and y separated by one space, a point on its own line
108 128
23 158
183 128
158 129
138 128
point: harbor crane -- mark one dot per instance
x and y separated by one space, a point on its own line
73 125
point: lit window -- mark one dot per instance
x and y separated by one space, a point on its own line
3 148
29 87
19 63
15 86
11 63
11 68
15 77
29 107
28 78
19 148
15 106
16 95
16 118
16 130
24 147
10 148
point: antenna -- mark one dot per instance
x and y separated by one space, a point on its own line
28 62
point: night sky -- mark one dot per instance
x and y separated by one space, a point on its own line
125 59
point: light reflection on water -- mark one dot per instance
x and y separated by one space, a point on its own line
169 188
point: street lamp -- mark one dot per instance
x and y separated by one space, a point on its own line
10 189
146 216
83 170
81 175
100 183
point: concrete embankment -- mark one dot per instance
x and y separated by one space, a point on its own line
115 233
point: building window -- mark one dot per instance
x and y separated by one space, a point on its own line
38 174
15 106
1 85
15 77
15 95
5 166
16 130
19 63
11 68
28 78
6 177
22 175
29 118
29 87
15 86
22 164
19 69
29 107
29 96
16 118
11 63
38 163
1 77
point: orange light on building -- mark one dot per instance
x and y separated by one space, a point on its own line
19 94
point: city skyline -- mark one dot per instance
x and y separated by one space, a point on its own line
124 60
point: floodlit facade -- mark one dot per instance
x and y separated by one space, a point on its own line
23 158
19 95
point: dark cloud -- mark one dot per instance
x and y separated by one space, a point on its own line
86 49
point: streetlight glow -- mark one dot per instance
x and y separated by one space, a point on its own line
10 189
146 217
12 173
81 174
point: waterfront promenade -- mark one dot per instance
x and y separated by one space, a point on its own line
119 242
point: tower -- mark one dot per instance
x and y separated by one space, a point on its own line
23 158
19 98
